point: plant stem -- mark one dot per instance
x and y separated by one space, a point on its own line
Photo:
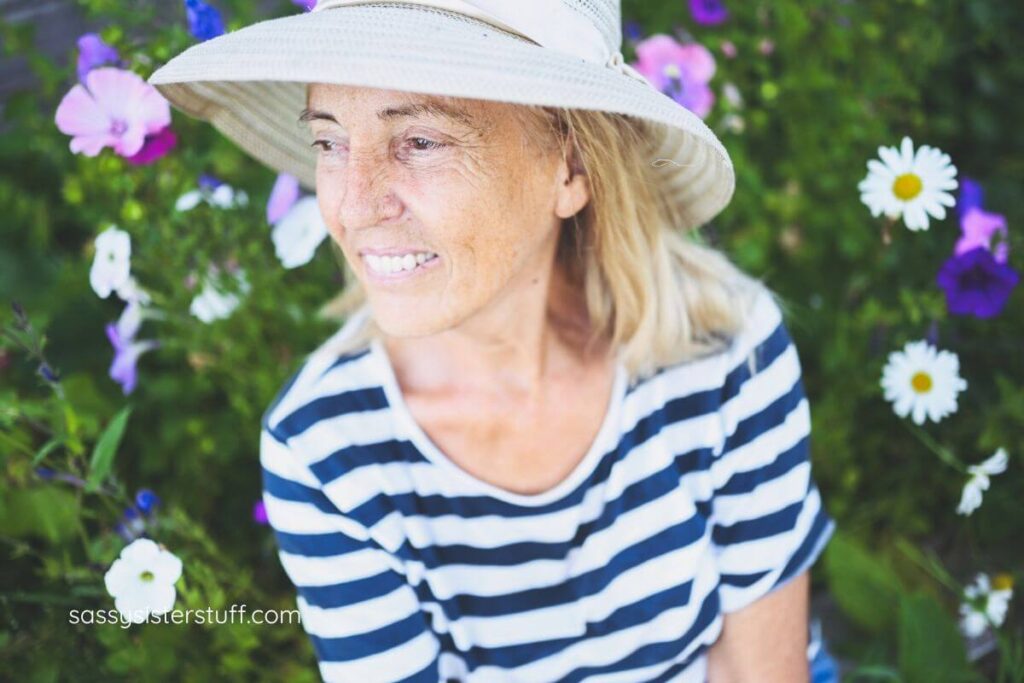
943 453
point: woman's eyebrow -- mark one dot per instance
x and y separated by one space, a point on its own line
438 109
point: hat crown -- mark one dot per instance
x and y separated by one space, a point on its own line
588 29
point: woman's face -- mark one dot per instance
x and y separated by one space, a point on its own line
442 206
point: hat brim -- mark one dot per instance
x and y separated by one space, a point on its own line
250 84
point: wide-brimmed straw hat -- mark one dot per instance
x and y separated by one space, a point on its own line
250 83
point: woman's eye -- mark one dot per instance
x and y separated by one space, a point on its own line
324 145
423 144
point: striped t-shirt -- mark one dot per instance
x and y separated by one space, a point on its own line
695 499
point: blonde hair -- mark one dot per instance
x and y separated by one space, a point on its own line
652 289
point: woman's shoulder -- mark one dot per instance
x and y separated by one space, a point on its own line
327 383
763 329
759 328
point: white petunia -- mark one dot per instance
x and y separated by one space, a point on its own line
111 265
141 580
910 184
188 201
223 197
130 291
212 304
299 232
923 381
985 604
978 481
130 320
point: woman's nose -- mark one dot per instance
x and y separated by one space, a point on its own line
368 197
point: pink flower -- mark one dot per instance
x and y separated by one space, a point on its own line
728 49
680 71
978 227
114 108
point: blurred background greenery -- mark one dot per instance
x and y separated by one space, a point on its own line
806 93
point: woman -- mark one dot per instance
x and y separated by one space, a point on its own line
556 439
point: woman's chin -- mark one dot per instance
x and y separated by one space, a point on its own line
408 320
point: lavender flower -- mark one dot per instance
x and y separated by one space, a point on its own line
93 52
126 349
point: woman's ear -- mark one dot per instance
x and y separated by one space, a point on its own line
574 186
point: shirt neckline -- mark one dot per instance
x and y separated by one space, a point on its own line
432 452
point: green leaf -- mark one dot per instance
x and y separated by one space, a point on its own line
865 588
931 647
106 447
45 450
46 512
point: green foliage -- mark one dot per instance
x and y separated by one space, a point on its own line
931 648
840 79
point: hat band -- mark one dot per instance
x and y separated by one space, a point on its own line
549 24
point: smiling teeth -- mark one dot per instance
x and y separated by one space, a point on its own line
394 264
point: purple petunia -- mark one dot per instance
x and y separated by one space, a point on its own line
92 53
708 12
971 196
976 284
259 512
307 5
204 21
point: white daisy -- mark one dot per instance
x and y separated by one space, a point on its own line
985 603
908 184
922 380
142 579
978 481
111 264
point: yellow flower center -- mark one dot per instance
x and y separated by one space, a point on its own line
922 382
1002 582
146 575
907 186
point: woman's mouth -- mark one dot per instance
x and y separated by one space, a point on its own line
399 267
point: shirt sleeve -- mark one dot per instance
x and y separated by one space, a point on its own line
363 617
768 520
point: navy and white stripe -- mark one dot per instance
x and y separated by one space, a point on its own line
695 499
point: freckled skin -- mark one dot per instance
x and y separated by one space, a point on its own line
487 204
486 347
